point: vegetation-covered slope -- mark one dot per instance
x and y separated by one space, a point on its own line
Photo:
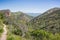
49 21
17 23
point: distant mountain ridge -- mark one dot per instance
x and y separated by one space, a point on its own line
33 14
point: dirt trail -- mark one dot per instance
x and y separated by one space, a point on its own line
4 34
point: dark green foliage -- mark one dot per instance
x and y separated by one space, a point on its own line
14 30
2 16
1 29
17 31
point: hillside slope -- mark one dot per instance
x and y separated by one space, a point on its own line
16 21
49 21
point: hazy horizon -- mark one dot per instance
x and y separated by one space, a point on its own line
29 6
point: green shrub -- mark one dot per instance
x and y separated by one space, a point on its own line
44 35
11 36
1 27
1 30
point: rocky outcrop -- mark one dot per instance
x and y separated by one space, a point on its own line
6 12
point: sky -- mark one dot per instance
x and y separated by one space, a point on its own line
29 6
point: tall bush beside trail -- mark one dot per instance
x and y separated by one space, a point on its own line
13 37
1 29
2 16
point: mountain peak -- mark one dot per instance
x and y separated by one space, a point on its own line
56 8
53 9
